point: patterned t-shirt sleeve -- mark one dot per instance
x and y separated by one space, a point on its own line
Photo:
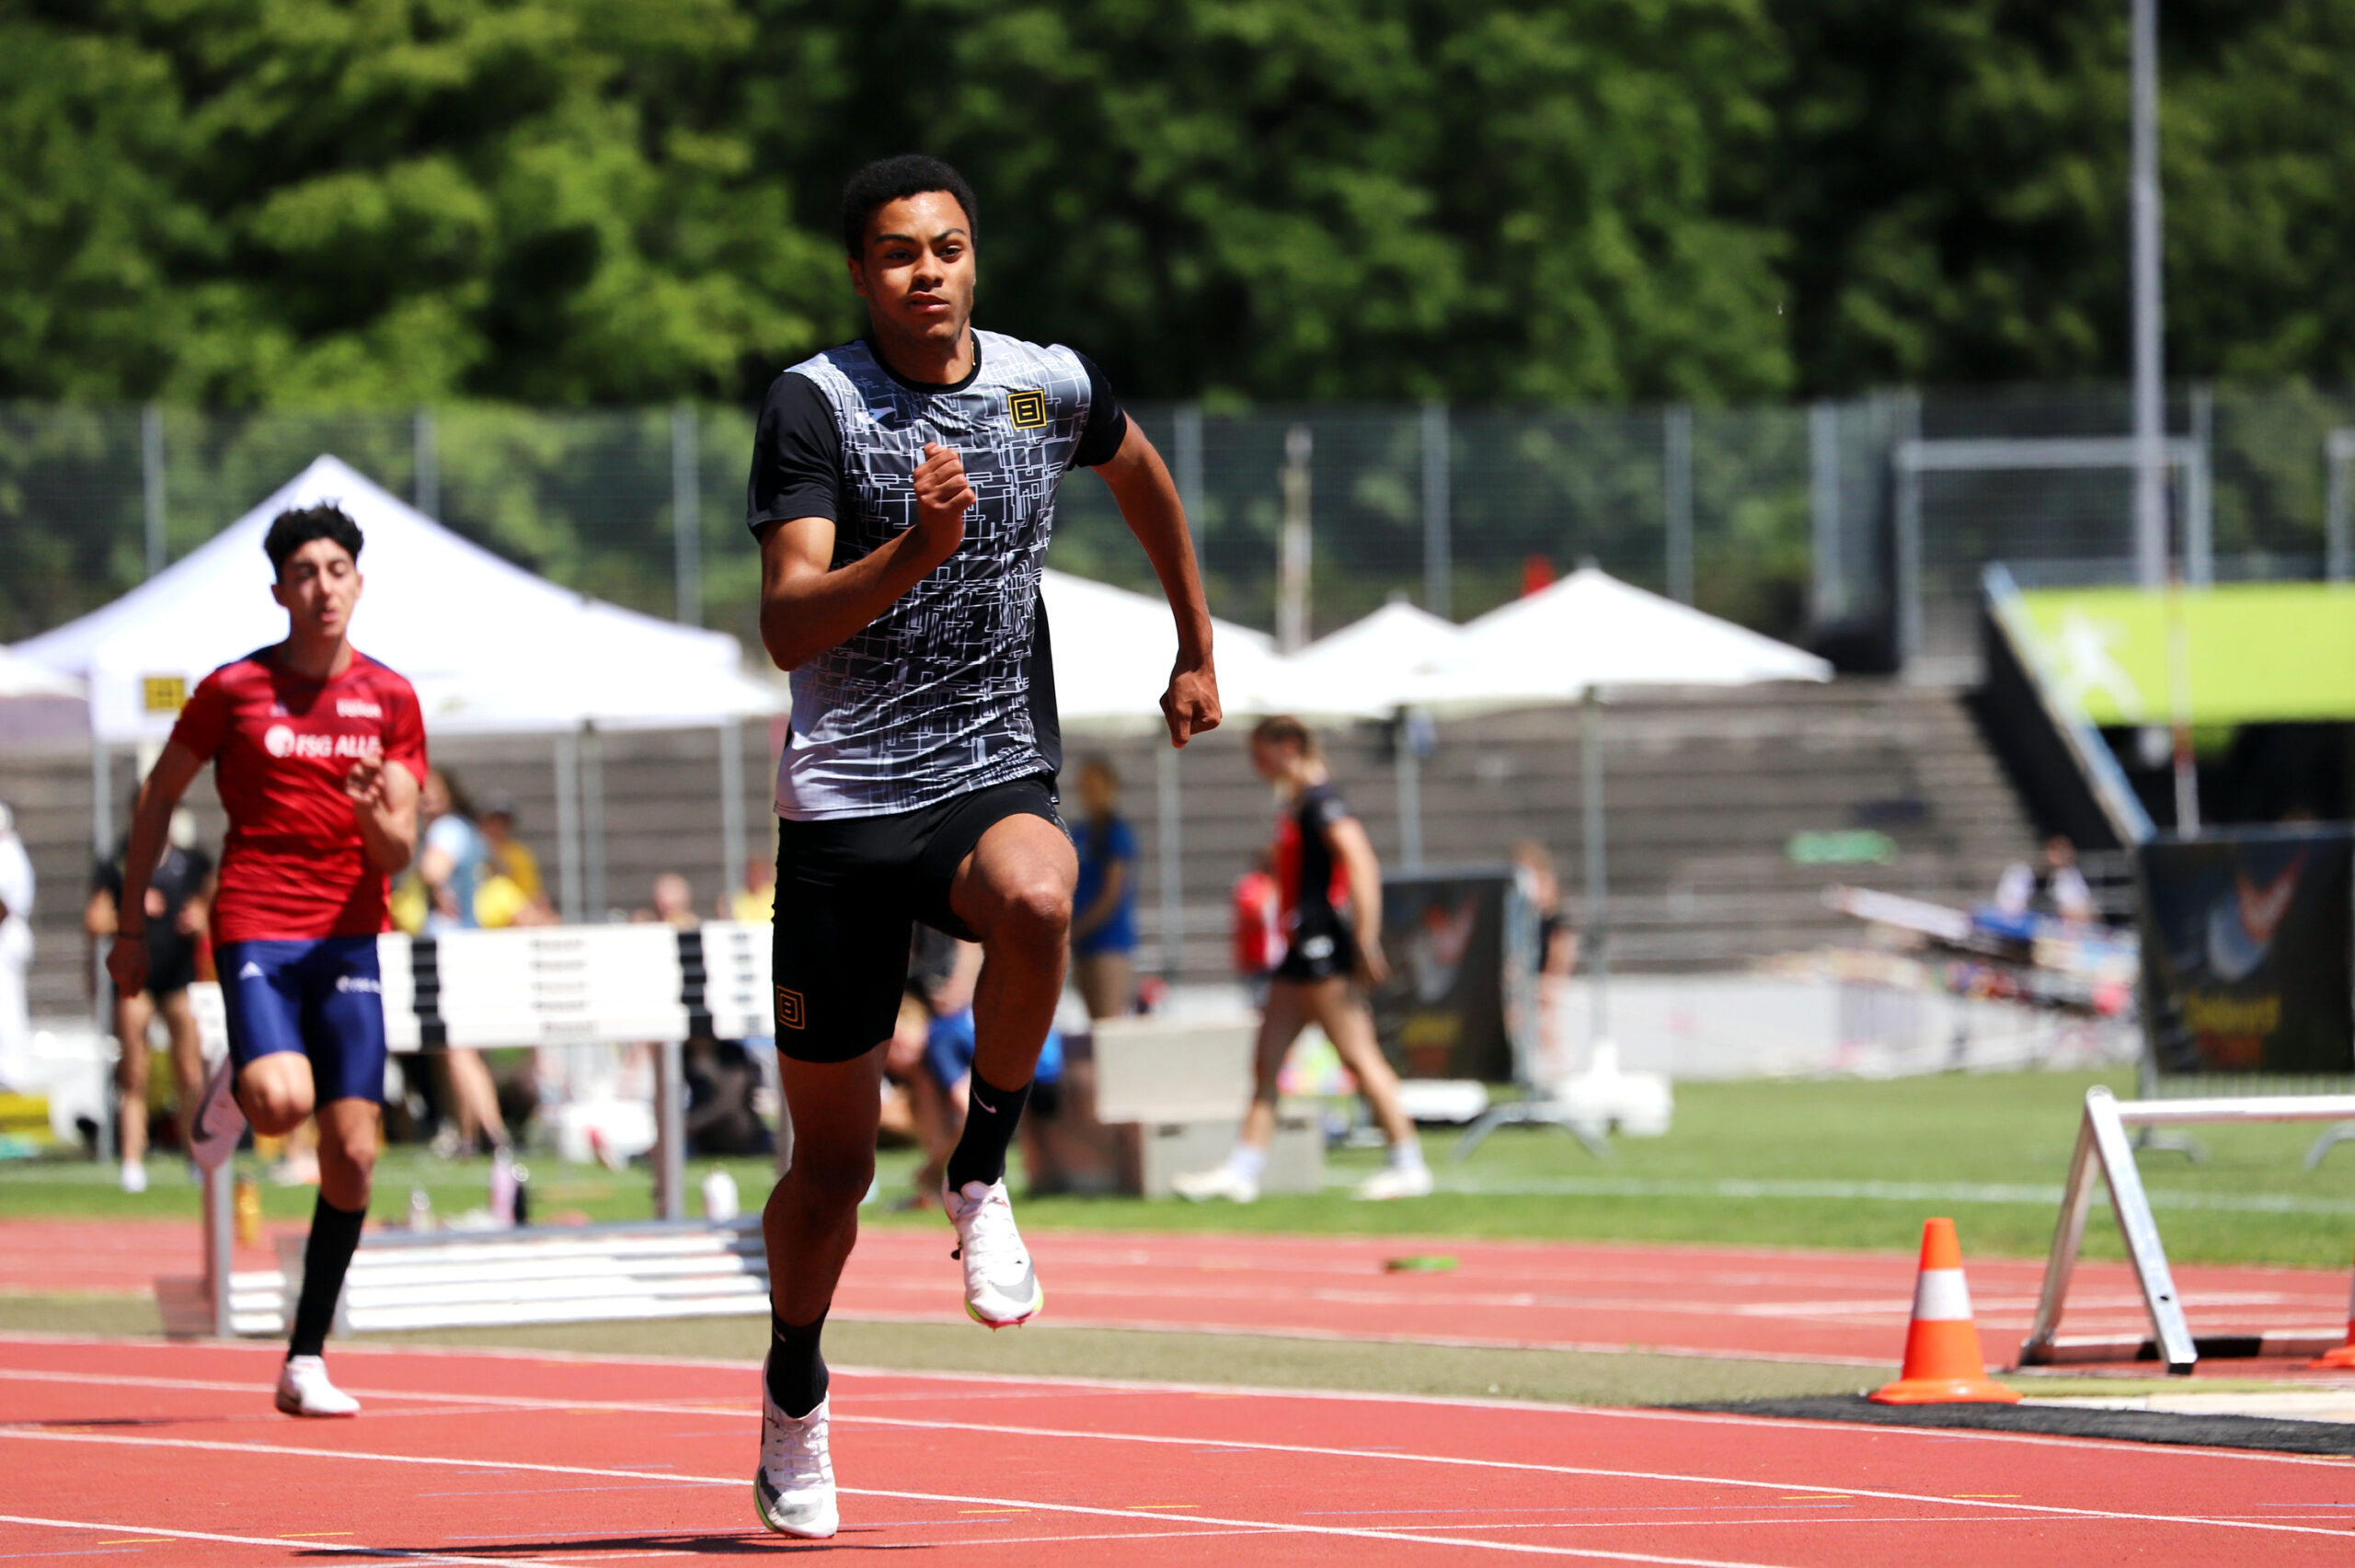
203 724
1107 423
796 457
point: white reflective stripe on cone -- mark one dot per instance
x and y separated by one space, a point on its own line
1941 1297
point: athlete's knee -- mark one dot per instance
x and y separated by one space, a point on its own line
831 1178
275 1107
1036 910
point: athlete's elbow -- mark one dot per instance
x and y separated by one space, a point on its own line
789 644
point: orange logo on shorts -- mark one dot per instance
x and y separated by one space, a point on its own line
789 1013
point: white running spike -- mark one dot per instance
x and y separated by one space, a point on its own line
303 1390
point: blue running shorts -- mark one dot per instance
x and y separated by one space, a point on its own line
323 997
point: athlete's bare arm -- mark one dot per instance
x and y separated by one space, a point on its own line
150 824
1349 845
808 605
384 804
1148 500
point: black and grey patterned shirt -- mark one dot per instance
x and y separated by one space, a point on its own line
950 689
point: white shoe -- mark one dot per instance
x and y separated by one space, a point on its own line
793 1490
219 1121
1398 1181
135 1177
303 1390
1203 1186
1001 1287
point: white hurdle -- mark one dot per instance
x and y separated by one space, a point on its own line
537 986
2103 1148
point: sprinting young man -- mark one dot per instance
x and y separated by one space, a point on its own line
903 491
1330 887
317 751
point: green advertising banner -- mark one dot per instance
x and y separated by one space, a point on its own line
2254 652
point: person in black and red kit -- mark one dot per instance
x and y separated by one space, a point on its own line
318 751
1331 886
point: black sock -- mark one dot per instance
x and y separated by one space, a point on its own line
796 1373
991 1113
335 1236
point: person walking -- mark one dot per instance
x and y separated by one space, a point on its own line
1331 886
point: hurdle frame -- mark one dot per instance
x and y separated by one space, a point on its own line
2103 1146
721 989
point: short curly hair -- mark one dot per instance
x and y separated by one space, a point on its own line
292 528
890 179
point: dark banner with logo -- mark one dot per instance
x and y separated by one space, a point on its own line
2249 952
1462 951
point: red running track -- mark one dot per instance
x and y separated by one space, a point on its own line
103 1257
1593 1296
138 1452
1582 1296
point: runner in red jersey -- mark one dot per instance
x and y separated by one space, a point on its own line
318 751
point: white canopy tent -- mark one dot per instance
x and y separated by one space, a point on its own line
1590 630
20 677
1571 643
490 649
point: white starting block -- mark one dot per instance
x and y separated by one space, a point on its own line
1176 1089
547 985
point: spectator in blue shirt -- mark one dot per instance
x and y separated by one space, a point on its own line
1104 921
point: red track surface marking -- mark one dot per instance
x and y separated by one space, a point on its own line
148 1452
105 1257
1690 1301
1723 1301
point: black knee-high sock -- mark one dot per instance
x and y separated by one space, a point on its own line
991 1113
796 1373
335 1236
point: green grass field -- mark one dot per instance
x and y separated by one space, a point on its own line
1834 1164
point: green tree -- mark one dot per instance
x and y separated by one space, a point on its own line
293 201
1487 199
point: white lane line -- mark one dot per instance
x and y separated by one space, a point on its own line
283 1543
1990 1509
856 1406
1264 1526
1589 1471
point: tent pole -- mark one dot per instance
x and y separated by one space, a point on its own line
1410 794
1172 862
731 805
568 827
593 819
1598 921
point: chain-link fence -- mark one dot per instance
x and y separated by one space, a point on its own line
1860 526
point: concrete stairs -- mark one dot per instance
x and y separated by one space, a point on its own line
1705 791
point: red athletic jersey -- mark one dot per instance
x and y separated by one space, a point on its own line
293 865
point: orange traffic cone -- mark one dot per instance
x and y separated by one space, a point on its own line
1943 1364
2343 1358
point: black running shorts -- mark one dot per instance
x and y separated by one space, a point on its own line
849 891
1321 948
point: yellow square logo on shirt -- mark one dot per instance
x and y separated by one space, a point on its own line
790 1011
1028 409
